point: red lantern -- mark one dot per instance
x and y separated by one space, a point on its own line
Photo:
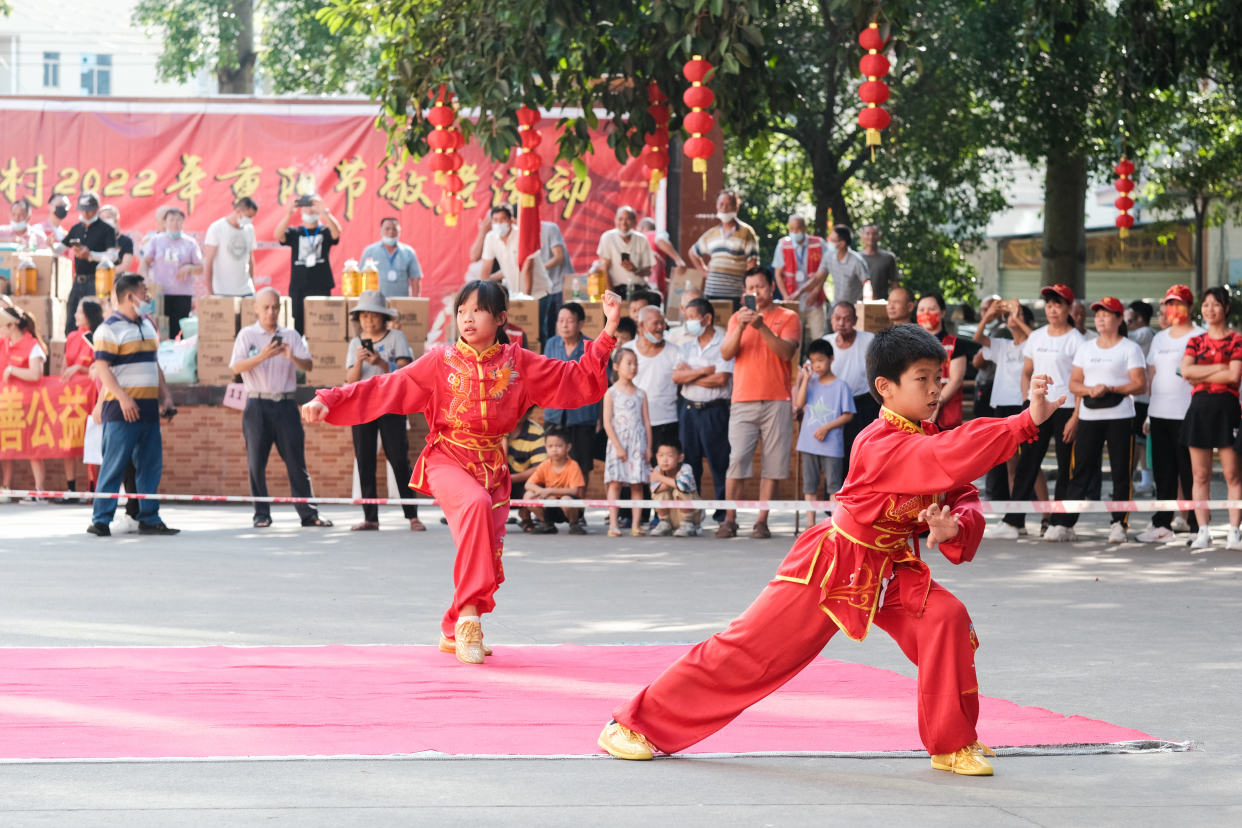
698 97
441 138
655 153
528 162
1124 203
874 91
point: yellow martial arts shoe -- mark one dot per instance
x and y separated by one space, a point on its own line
624 743
448 645
469 638
968 761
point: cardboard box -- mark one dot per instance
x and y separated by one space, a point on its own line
594 322
677 286
248 317
56 357
217 320
872 316
60 317
525 314
328 357
213 362
46 264
415 318
567 289
40 308
324 318
722 310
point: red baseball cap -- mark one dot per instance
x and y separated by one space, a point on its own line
1109 303
1179 293
1062 291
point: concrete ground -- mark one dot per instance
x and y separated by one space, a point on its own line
1141 636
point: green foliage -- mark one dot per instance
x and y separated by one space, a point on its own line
1197 158
299 53
774 180
6 8
197 34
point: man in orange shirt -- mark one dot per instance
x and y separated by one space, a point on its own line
761 342
557 478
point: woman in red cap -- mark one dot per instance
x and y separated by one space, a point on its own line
1170 398
1108 371
1213 364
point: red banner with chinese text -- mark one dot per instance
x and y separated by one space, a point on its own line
202 155
45 419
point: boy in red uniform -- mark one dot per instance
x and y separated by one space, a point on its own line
473 393
860 568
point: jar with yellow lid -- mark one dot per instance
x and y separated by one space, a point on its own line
350 279
105 273
370 272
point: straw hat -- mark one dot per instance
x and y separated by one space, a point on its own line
372 301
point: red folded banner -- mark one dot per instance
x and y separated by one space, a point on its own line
46 419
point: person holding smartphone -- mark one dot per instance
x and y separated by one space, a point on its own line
310 246
625 255
90 241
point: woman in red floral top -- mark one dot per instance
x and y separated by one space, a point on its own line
1213 365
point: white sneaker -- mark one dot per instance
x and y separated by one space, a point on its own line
685 529
1235 538
1003 531
123 524
1156 534
1117 532
663 529
1060 534
1179 524
1203 540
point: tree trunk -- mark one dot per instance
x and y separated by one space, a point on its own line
1064 250
240 79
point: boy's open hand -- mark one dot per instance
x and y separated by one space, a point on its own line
941 522
1041 407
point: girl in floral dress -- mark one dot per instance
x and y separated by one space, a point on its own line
628 460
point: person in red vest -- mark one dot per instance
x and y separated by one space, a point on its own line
930 316
800 274
24 358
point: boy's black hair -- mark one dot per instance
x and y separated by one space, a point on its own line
576 309
820 346
555 430
895 349
628 325
844 233
670 441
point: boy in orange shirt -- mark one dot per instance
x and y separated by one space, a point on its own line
557 478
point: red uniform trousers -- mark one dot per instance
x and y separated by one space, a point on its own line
476 519
779 635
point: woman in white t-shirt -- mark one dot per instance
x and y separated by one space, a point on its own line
1108 371
1049 350
1006 354
1170 398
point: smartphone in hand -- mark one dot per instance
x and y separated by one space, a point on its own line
369 345
278 340
749 301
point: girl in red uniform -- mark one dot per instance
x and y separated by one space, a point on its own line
473 393
858 569
79 356
24 360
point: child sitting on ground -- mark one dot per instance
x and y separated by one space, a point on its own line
827 404
673 479
557 478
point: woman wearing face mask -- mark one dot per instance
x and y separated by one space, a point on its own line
930 317
473 393
173 260
1108 371
501 259
20 230
25 355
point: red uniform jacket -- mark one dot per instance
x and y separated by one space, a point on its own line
473 400
897 469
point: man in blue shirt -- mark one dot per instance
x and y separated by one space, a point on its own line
568 345
399 270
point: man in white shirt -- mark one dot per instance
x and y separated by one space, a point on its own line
849 363
625 255
680 334
20 230
500 245
706 380
848 267
228 251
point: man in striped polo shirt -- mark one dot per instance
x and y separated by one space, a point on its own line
726 251
125 362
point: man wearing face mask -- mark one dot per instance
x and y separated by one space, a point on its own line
171 260
801 272
726 251
500 248
111 216
310 245
19 230
54 225
625 254
400 272
91 241
706 380
848 268
228 251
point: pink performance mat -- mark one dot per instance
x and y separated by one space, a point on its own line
96 703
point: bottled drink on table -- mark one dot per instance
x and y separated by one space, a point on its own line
25 278
597 283
105 272
577 289
350 278
370 273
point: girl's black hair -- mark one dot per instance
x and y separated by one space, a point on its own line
895 349
491 297
93 311
1220 294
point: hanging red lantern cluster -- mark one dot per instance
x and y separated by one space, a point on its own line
445 141
655 153
528 162
873 91
1124 185
698 97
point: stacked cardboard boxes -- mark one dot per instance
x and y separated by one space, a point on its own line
414 320
325 329
217 330
677 286
872 316
525 314
50 268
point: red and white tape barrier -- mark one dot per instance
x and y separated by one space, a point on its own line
993 507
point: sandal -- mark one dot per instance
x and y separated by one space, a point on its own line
528 526
614 532
317 522
262 523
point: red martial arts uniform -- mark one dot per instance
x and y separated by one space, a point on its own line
846 574
472 401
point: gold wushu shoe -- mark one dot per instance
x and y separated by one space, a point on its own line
968 761
448 645
469 638
624 743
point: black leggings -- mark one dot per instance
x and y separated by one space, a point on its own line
1088 457
1170 463
391 431
1031 455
